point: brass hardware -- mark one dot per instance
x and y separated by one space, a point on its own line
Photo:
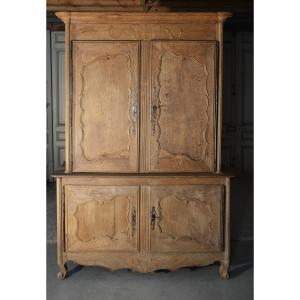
133 220
153 217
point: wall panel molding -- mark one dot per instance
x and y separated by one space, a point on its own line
58 95
237 139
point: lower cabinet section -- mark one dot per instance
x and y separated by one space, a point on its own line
143 222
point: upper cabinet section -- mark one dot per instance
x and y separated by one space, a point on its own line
182 106
105 125
143 91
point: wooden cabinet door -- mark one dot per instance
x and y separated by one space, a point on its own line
105 117
182 106
186 218
101 218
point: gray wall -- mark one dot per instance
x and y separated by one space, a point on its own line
56 95
237 135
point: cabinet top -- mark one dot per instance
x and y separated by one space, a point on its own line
143 18
145 175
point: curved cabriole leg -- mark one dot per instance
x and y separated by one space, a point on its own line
223 270
62 271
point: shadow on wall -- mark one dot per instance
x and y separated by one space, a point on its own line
242 209
241 258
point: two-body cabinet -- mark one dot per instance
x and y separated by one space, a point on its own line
143 188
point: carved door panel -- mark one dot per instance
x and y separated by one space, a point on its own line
105 118
182 106
186 218
101 218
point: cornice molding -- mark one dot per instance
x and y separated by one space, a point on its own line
143 18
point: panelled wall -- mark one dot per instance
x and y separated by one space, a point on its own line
56 92
237 152
49 108
237 133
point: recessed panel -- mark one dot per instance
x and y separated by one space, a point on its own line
182 106
101 218
105 116
186 218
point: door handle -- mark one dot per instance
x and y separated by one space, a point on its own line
154 107
134 111
154 217
133 221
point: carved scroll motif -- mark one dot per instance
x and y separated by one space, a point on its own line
91 84
180 84
103 219
184 219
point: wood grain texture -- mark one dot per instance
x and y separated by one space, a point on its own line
59 227
144 26
219 28
100 218
188 218
144 32
144 18
185 27
60 217
144 263
145 96
144 89
79 193
144 219
224 267
93 2
106 101
143 180
99 226
68 166
182 106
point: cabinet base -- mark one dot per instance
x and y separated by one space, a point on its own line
62 272
224 270
146 263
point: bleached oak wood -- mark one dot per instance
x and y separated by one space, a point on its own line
144 112
182 106
68 133
144 263
60 230
89 220
143 18
224 267
95 5
106 106
101 218
219 29
144 101
186 218
145 28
